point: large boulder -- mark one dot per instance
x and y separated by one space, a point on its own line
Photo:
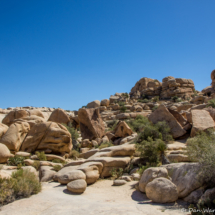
50 137
91 124
185 176
211 112
15 135
161 190
3 129
162 114
122 130
4 153
77 186
46 173
93 104
105 102
71 176
150 174
17 114
59 116
201 120
92 171
31 120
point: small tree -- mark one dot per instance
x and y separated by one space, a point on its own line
211 103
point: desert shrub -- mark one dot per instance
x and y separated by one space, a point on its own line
201 149
36 165
174 98
152 150
160 130
178 100
154 108
112 124
211 103
16 161
72 131
74 154
105 145
125 95
138 124
155 99
41 156
143 100
22 183
57 168
116 172
121 103
123 109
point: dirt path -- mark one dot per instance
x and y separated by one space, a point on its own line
100 198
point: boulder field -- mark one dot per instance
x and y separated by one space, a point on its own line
106 144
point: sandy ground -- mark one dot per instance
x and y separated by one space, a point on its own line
100 198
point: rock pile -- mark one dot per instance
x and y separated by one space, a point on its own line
170 87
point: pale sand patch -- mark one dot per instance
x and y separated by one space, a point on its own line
99 198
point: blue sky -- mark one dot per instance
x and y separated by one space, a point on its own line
67 53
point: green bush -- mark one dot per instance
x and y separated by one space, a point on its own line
174 98
57 168
123 109
22 183
138 124
16 161
201 149
41 156
125 95
160 130
178 100
211 103
155 99
152 150
36 165
112 124
74 154
154 108
121 103
143 100
105 145
72 131
116 172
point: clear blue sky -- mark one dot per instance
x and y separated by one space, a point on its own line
66 53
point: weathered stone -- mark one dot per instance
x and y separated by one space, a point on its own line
77 186
194 196
3 129
161 190
59 116
66 177
201 121
15 135
91 124
93 104
122 130
4 153
185 176
162 114
105 102
46 173
150 174
119 182
50 136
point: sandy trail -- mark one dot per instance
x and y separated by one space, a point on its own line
99 198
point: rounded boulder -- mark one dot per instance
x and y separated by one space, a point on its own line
4 153
77 186
161 190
